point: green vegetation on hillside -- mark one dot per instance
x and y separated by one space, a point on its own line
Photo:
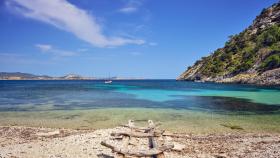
243 51
271 62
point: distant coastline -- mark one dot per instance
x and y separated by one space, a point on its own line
28 76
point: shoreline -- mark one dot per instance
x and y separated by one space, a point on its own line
20 141
230 83
239 82
186 121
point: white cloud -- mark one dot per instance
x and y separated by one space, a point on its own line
46 48
131 6
68 17
128 10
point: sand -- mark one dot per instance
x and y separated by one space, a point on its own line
33 142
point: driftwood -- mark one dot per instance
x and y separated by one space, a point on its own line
150 133
141 129
137 134
152 141
125 145
48 134
138 153
175 135
117 137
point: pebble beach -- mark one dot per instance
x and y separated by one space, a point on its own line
34 142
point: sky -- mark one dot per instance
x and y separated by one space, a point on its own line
152 39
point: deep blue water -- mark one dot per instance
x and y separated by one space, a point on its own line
56 95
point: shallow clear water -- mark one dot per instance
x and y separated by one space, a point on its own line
179 105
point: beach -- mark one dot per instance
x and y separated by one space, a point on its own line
29 142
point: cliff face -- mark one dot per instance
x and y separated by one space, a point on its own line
252 56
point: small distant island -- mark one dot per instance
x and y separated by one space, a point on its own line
252 56
28 76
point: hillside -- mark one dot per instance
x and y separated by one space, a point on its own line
252 56
27 76
20 75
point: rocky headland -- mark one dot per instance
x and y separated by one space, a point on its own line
252 56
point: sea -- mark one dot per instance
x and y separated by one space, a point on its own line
180 106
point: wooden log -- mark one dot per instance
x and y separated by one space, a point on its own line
151 124
152 141
125 145
152 145
155 145
175 135
138 153
137 134
126 142
132 140
143 129
131 125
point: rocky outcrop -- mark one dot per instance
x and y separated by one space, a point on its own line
252 56
268 17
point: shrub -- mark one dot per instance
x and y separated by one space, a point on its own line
271 62
269 36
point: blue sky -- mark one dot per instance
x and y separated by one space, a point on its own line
126 38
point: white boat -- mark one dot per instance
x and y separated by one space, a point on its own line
108 82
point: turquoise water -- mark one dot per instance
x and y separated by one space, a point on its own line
93 104
65 95
260 96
